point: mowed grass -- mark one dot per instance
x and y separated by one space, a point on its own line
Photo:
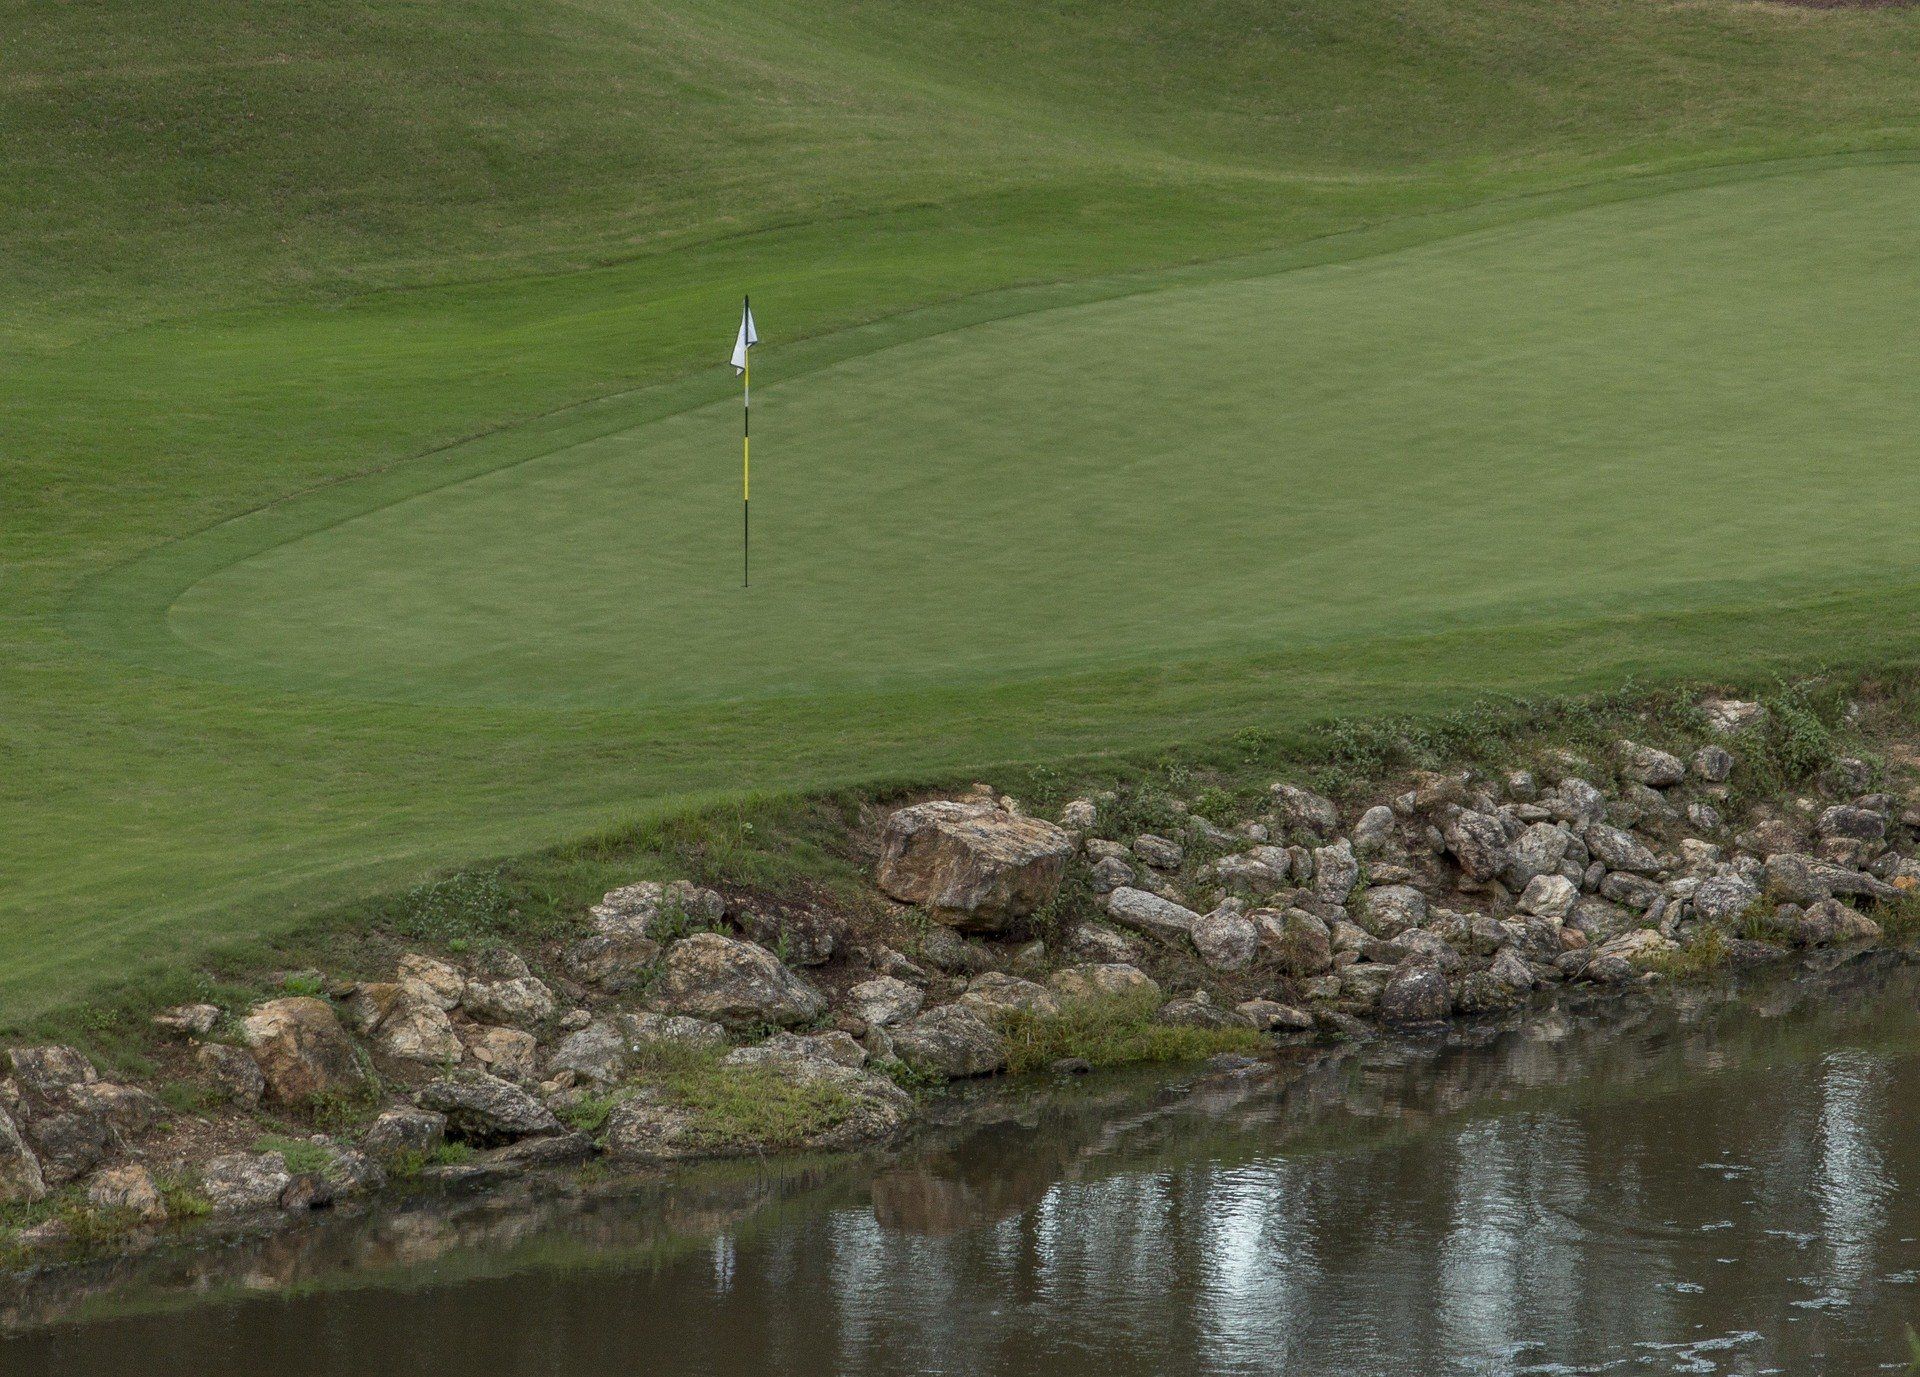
1135 373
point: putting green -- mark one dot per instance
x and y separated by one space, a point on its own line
1677 401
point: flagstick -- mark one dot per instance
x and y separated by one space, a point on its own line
746 470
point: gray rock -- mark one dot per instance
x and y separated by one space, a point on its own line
1722 898
612 962
1799 879
1844 776
1256 872
1335 872
238 1181
952 1041
993 994
1104 980
1092 942
1549 896
1296 942
405 1131
1270 1016
607 1049
1303 811
20 1177
800 937
1225 939
1713 764
1481 992
972 866
786 1049
1149 913
1599 919
1577 802
1731 716
188 1020
1159 852
1618 849
1198 1011
1079 815
1432 949
1856 824
1416 993
1478 843
1636 892
1111 873
69 1144
127 1190
732 982
301 1049
1388 910
415 1027
233 1072
1539 850
885 1001
1374 832
46 1073
517 1002
483 1109
1648 765
1511 969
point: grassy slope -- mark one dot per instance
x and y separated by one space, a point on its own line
257 248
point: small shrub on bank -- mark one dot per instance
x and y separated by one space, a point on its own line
299 1154
1114 1032
1701 955
754 1107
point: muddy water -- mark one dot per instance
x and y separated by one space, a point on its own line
1726 1185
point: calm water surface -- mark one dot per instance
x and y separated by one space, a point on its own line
1710 1187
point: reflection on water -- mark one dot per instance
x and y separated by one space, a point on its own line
1706 1186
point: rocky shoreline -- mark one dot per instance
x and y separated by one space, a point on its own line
676 1021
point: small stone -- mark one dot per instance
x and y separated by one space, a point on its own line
1159 852
1549 896
1387 910
1478 842
1270 1016
1079 815
1297 942
1731 716
1303 811
519 1001
432 979
1111 873
188 1020
1374 832
1335 872
1070 1066
1618 849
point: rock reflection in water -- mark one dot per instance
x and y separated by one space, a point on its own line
1689 1187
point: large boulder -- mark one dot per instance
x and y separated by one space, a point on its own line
952 1041
485 1109
972 865
302 1050
1149 913
732 982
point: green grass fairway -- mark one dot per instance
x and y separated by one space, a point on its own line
1135 372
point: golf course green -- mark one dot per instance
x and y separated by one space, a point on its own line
1131 374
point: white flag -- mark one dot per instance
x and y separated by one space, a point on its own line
747 339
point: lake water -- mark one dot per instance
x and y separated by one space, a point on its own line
1713 1185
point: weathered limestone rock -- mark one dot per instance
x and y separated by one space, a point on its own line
1539 850
405 1131
1270 1016
238 1181
972 866
1225 939
1478 842
1296 942
520 1001
884 1001
1197 1010
1713 764
485 1109
1549 896
1618 849
46 1073
1648 765
1108 980
1638 946
782 1048
508 1052
188 1020
1856 824
1387 910
732 982
801 936
1079 815
1722 898
432 979
1373 834
607 1048
1159 852
610 961
1110 873
994 994
1303 811
951 1040
1335 872
233 1072
20 1177
1800 879
415 1027
1731 716
1151 914
128 1189
301 1049
1256 872
1416 993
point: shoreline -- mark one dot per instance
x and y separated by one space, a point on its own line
1455 879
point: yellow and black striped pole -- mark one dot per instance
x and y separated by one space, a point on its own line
746 472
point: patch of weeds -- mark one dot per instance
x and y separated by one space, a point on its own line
674 922
1760 922
1217 806
914 1080
751 1108
1703 954
462 906
1899 919
183 1199
412 1162
1072 904
306 983
300 1154
1114 1032
187 1097
588 1114
333 1111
